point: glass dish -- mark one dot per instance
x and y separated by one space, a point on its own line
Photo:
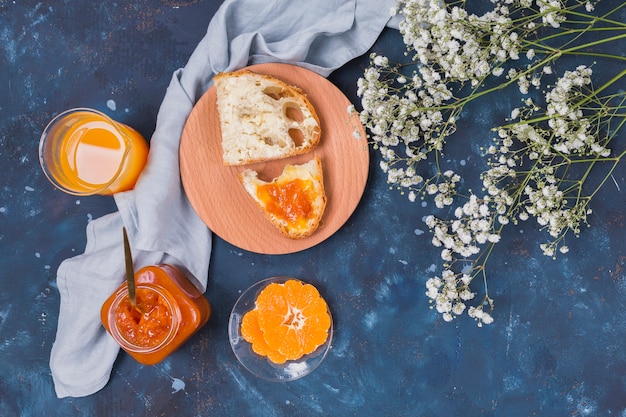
260 365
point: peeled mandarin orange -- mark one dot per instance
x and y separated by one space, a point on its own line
289 320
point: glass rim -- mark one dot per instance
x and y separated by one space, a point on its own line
126 344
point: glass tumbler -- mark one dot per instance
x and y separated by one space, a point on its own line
84 152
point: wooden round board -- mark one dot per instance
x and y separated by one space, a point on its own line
221 201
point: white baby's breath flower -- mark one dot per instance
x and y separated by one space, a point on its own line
498 71
458 308
381 61
466 295
466 279
411 111
486 318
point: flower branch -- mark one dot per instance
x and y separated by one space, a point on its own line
539 165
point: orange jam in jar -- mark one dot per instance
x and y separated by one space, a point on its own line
170 309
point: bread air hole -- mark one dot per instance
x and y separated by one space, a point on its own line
274 92
297 136
292 111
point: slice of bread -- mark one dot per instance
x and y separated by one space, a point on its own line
262 118
294 201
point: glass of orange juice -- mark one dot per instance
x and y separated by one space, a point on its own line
84 152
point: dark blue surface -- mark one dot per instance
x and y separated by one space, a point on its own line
556 348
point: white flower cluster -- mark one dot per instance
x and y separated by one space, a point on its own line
472 227
449 293
550 11
480 315
552 141
409 114
548 205
572 131
452 41
538 163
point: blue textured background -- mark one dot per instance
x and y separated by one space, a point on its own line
555 349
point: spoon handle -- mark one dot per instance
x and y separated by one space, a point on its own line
130 270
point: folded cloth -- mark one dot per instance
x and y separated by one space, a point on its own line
161 224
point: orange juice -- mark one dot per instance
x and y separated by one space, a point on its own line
84 152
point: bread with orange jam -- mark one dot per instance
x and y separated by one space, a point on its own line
294 202
262 118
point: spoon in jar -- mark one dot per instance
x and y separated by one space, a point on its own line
130 271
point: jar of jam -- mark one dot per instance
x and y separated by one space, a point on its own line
170 309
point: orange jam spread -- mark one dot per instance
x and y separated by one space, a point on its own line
148 324
290 200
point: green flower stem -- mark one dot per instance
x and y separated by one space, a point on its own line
576 49
577 105
541 47
602 18
616 162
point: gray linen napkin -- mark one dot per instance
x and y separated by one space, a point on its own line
161 224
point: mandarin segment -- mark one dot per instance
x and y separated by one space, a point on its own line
289 320
252 333
276 357
293 291
308 295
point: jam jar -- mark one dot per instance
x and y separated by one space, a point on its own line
170 309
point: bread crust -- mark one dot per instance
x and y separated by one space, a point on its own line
308 171
255 112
